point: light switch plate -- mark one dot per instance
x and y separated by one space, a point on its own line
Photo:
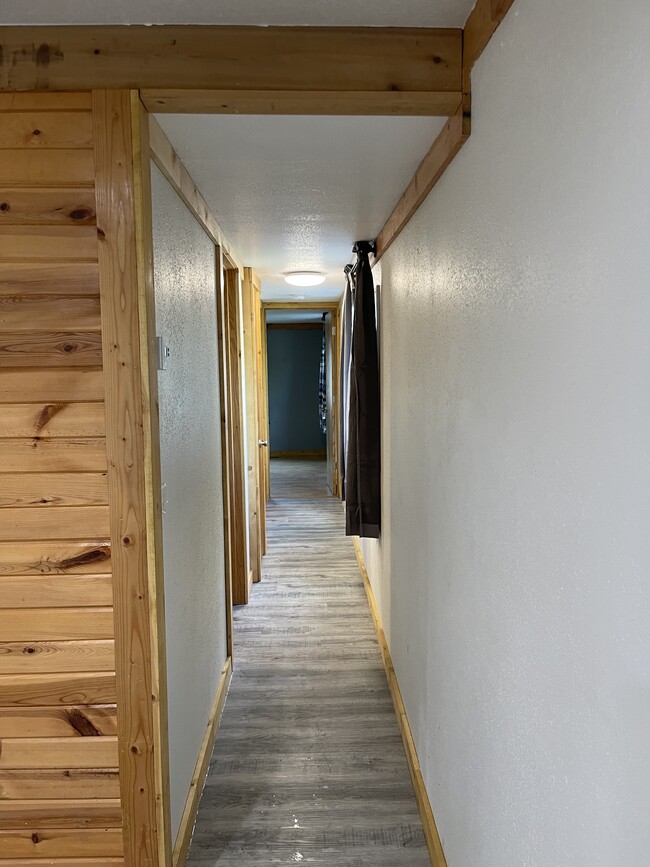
163 353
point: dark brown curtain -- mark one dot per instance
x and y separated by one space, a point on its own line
346 336
362 466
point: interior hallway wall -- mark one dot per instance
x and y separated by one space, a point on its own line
190 447
512 576
293 363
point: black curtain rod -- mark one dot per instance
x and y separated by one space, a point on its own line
365 247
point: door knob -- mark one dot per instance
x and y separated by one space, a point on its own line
262 443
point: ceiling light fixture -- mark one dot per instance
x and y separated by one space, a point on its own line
304 278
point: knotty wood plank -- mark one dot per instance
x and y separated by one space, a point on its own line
65 522
450 140
24 690
55 278
53 129
38 313
305 59
46 558
35 753
48 243
43 419
65 624
88 721
53 455
27 206
52 386
55 657
59 843
19 490
47 168
55 591
89 813
34 101
128 332
55 350
60 784
322 102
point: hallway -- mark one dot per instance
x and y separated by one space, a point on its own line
308 764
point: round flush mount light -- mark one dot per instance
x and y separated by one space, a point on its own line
304 278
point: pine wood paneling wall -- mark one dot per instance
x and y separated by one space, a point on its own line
59 786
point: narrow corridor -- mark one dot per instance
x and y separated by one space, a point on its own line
308 765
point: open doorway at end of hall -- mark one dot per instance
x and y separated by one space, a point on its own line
302 357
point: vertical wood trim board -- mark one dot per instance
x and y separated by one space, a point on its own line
57 673
252 431
225 437
434 845
152 467
186 828
130 446
237 450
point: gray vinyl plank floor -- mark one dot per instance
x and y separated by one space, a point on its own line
308 766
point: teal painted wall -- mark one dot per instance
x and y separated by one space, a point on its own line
293 364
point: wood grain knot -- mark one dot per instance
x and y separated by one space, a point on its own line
81 214
95 556
82 724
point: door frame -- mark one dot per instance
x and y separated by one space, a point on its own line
332 307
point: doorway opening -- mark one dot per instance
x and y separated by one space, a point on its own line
302 363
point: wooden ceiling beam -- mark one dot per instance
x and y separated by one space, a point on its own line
307 102
306 70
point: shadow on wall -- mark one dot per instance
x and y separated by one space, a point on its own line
294 364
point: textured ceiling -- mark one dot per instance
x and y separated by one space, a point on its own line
294 193
334 13
290 193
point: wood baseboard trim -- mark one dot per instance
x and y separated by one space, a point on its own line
315 454
184 836
436 854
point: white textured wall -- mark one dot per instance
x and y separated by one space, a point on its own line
514 572
193 543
